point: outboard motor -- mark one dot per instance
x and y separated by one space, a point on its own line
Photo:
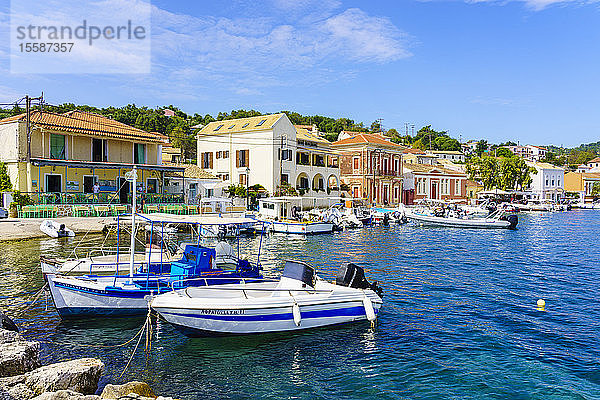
386 219
61 231
513 219
351 275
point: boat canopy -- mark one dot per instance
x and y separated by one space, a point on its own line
194 219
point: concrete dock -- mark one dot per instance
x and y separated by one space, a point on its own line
28 228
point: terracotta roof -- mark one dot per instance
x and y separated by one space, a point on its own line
427 168
412 150
471 183
303 134
249 124
595 160
87 123
367 138
192 171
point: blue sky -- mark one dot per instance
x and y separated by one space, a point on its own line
501 70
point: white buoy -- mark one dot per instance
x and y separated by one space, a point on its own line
369 310
296 313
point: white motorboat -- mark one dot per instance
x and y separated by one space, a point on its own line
55 229
300 227
298 300
496 220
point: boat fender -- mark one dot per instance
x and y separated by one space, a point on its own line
369 310
296 313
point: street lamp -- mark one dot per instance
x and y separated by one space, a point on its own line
247 188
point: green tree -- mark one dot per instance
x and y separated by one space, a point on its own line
481 147
596 189
483 169
503 152
5 184
504 173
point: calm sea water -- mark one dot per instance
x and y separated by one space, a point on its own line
459 319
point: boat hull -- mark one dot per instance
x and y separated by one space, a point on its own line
222 318
301 228
483 223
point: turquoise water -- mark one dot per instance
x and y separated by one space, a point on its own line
459 320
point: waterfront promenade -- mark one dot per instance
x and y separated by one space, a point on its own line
29 228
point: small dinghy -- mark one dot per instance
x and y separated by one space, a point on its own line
55 230
298 300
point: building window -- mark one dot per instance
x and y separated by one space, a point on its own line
139 153
57 147
206 160
445 186
396 193
547 180
243 179
218 127
284 179
246 124
303 183
242 158
356 192
286 155
318 160
226 154
88 183
261 122
225 177
397 166
421 186
219 154
333 162
99 150
302 158
356 163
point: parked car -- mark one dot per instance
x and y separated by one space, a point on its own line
3 213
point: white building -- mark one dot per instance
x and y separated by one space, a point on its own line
548 183
454 156
268 150
594 165
529 152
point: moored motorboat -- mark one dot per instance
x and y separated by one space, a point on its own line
298 300
496 220
55 229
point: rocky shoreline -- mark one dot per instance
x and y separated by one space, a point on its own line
22 377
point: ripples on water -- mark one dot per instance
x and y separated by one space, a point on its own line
459 319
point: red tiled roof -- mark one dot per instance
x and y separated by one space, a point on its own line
367 138
88 123
595 160
412 150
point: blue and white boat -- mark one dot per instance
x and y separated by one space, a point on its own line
93 294
298 300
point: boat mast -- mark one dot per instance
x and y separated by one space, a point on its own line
133 211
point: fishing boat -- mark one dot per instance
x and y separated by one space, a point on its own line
497 220
55 229
91 295
298 300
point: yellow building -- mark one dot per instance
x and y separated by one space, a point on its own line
582 183
67 155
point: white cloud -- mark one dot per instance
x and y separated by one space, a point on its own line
537 5
262 52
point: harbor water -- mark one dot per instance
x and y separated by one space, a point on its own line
459 319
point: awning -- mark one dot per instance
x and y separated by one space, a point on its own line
103 165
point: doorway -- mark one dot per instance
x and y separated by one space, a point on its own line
88 183
123 191
53 183
434 190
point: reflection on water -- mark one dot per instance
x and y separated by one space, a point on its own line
459 319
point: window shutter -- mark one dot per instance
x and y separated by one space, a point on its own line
210 160
247 154
237 158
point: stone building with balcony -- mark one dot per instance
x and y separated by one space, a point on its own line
371 167
268 150
60 158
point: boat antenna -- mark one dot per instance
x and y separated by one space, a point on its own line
133 179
